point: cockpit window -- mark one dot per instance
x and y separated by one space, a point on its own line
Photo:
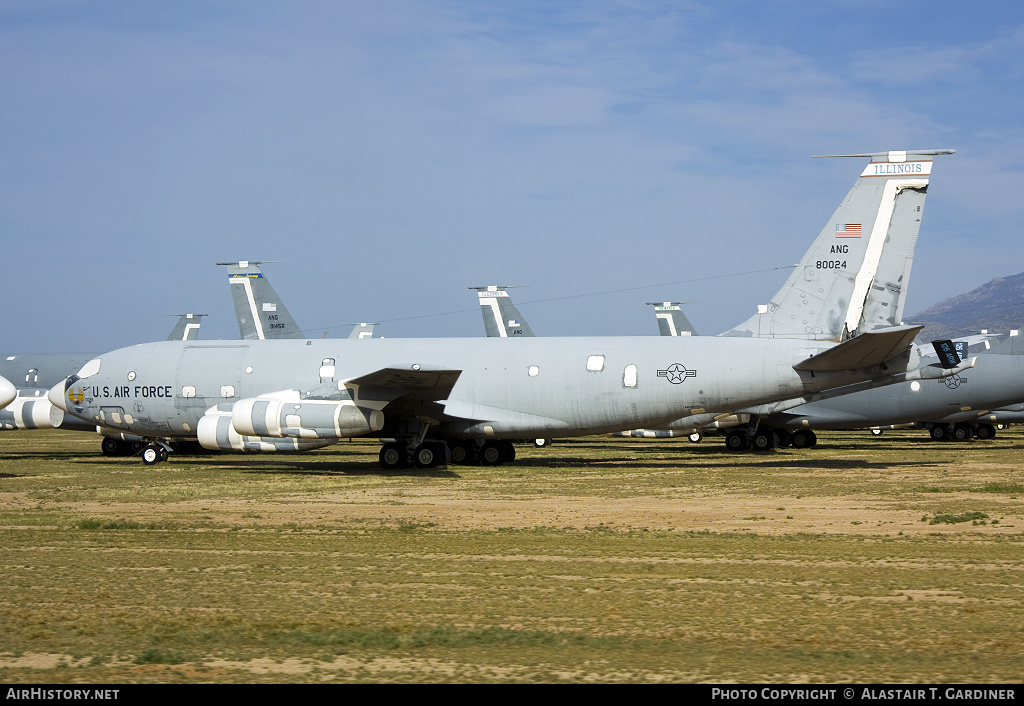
89 369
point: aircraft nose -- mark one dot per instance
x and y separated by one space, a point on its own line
7 392
57 397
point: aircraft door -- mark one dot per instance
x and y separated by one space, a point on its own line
113 417
327 370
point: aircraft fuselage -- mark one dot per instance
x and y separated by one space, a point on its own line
535 387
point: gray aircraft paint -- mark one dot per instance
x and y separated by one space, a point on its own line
34 374
487 389
671 319
502 318
260 312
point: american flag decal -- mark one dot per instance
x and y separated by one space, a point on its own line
850 230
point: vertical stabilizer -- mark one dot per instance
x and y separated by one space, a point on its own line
854 277
187 328
671 319
260 312
501 317
362 331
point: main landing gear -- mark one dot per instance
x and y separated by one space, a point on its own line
118 447
961 432
430 454
766 439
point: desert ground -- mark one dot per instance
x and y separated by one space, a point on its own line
865 559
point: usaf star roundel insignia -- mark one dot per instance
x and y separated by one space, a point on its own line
676 373
953 381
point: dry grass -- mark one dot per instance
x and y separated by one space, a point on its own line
593 560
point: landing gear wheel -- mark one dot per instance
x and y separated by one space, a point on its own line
491 454
985 431
462 452
962 432
939 433
541 443
110 447
804 439
508 451
763 441
736 441
429 454
392 456
152 454
695 437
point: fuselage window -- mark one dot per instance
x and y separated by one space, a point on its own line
534 371
227 390
595 363
629 376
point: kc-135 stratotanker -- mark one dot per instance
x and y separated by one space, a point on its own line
833 328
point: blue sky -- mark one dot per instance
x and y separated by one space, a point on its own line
391 154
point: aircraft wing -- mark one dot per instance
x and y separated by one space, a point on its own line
424 382
500 417
863 351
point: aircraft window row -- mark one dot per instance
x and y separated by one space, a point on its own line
595 363
189 391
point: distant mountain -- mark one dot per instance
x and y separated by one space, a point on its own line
997 306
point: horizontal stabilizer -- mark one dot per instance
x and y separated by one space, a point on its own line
863 351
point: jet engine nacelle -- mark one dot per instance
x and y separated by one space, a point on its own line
30 413
215 433
279 416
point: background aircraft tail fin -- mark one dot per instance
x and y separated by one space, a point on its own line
187 328
260 312
501 317
362 331
854 277
671 319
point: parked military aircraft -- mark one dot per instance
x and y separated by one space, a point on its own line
671 319
260 312
966 406
34 374
829 334
502 318
363 330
